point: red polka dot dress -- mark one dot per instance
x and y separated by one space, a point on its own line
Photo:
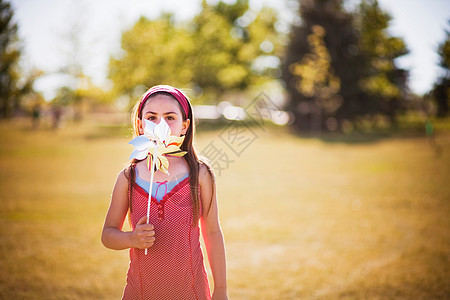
173 267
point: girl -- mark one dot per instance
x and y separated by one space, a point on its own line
173 267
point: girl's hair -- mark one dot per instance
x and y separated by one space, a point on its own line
191 157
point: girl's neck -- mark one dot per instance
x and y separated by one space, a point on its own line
177 167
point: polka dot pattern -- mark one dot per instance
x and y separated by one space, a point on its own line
173 267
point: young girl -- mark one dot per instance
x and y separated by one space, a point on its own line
173 267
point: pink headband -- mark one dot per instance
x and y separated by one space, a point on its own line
181 98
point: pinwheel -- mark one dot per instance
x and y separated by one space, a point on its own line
156 143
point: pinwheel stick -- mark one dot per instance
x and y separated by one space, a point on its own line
152 172
155 144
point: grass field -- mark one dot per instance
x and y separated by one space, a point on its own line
303 218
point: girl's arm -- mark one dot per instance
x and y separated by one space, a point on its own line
212 233
112 236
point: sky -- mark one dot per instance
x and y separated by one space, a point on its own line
45 28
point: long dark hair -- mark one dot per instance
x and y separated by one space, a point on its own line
191 156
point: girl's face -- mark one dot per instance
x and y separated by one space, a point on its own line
164 106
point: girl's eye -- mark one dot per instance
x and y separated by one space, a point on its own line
170 118
151 118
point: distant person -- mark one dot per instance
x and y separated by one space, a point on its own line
56 116
174 266
36 116
429 129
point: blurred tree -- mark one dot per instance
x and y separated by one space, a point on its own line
153 52
317 79
216 59
360 56
444 53
384 83
64 96
215 53
234 47
441 89
14 83
76 55
342 66
9 54
85 98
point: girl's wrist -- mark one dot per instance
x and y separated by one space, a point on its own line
117 239
220 293
129 238
220 287
221 290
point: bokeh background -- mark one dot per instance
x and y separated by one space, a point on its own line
326 123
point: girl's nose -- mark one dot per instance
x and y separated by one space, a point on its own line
156 120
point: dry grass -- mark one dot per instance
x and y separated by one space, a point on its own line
302 218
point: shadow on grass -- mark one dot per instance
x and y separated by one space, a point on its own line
103 131
436 140
211 125
404 129
357 137
374 135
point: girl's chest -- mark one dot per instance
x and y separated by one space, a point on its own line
174 208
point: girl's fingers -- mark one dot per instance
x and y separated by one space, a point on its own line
145 242
143 220
143 223
148 243
147 227
144 233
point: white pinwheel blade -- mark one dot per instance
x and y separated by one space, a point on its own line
149 129
141 142
162 130
138 154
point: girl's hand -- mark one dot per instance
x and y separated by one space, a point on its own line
143 235
219 294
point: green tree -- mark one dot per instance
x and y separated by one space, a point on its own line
441 89
153 52
15 84
230 40
340 63
218 47
212 54
444 53
384 83
317 78
361 55
10 55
